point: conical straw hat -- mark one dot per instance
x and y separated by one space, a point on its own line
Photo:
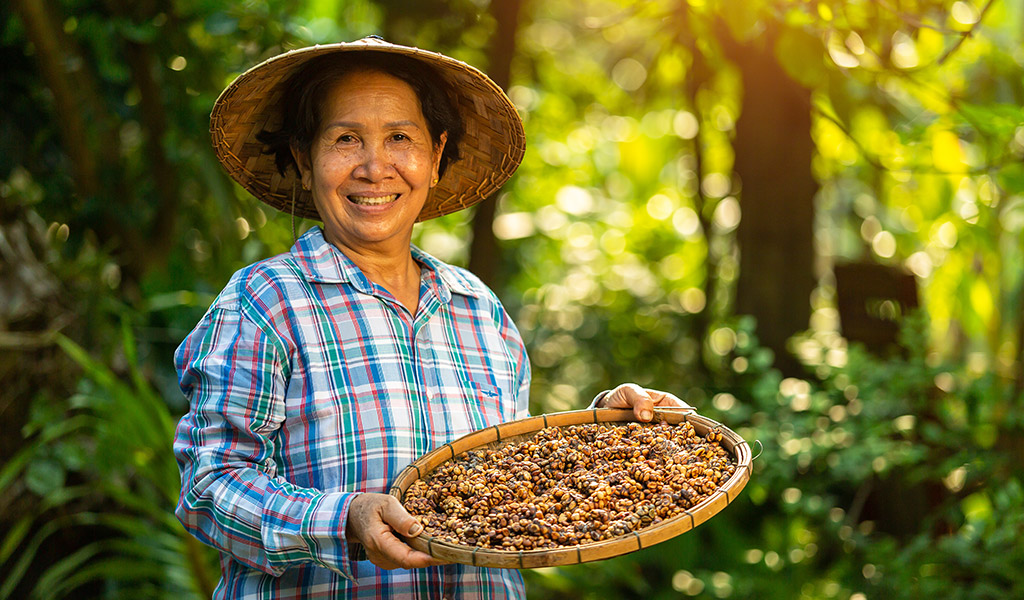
491 149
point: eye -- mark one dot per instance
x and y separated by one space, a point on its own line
399 137
346 138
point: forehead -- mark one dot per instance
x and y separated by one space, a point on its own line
369 91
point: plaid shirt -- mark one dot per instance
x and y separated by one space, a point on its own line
308 384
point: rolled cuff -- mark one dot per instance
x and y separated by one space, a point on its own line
598 398
320 535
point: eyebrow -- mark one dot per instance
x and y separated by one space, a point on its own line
356 125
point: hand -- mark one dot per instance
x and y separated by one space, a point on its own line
630 395
375 520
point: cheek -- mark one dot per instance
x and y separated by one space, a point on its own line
416 165
330 164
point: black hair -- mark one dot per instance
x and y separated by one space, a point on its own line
306 91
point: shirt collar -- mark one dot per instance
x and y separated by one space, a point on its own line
321 262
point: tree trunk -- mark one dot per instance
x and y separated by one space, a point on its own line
55 51
773 153
152 249
89 137
484 251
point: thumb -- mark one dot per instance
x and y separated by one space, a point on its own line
399 519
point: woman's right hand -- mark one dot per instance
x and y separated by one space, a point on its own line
642 401
374 521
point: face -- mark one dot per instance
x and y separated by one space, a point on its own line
372 163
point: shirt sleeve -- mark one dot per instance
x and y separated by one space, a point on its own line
235 377
598 398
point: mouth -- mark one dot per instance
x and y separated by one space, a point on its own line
372 200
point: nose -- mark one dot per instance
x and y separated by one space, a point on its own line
374 163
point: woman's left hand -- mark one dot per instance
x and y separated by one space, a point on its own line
642 401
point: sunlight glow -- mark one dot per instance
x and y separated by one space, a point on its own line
693 300
686 126
884 244
513 226
574 200
855 43
904 51
629 74
920 264
685 221
964 13
716 185
727 214
660 207
837 52
945 235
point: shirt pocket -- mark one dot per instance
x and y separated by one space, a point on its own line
485 404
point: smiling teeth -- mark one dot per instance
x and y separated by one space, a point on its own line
373 200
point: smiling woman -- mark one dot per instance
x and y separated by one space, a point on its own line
370 168
319 374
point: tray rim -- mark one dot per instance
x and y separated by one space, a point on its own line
578 553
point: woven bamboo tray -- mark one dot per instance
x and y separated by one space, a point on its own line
568 555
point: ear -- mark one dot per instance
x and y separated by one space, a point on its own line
303 163
438 151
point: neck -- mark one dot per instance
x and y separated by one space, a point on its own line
392 268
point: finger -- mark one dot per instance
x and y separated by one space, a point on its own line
395 549
666 399
630 395
643 407
622 396
395 515
381 561
391 552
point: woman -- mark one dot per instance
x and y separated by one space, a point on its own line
318 374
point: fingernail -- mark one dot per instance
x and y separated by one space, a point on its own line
646 415
415 530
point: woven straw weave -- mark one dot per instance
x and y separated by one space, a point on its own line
491 149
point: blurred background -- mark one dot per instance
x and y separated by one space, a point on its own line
804 217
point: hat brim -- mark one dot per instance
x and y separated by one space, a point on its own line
491 149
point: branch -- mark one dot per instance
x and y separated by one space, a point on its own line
966 34
876 162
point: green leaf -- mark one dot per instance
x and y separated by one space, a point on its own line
49 583
998 119
14 467
15 572
44 476
14 537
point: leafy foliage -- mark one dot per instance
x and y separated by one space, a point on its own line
817 518
105 467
